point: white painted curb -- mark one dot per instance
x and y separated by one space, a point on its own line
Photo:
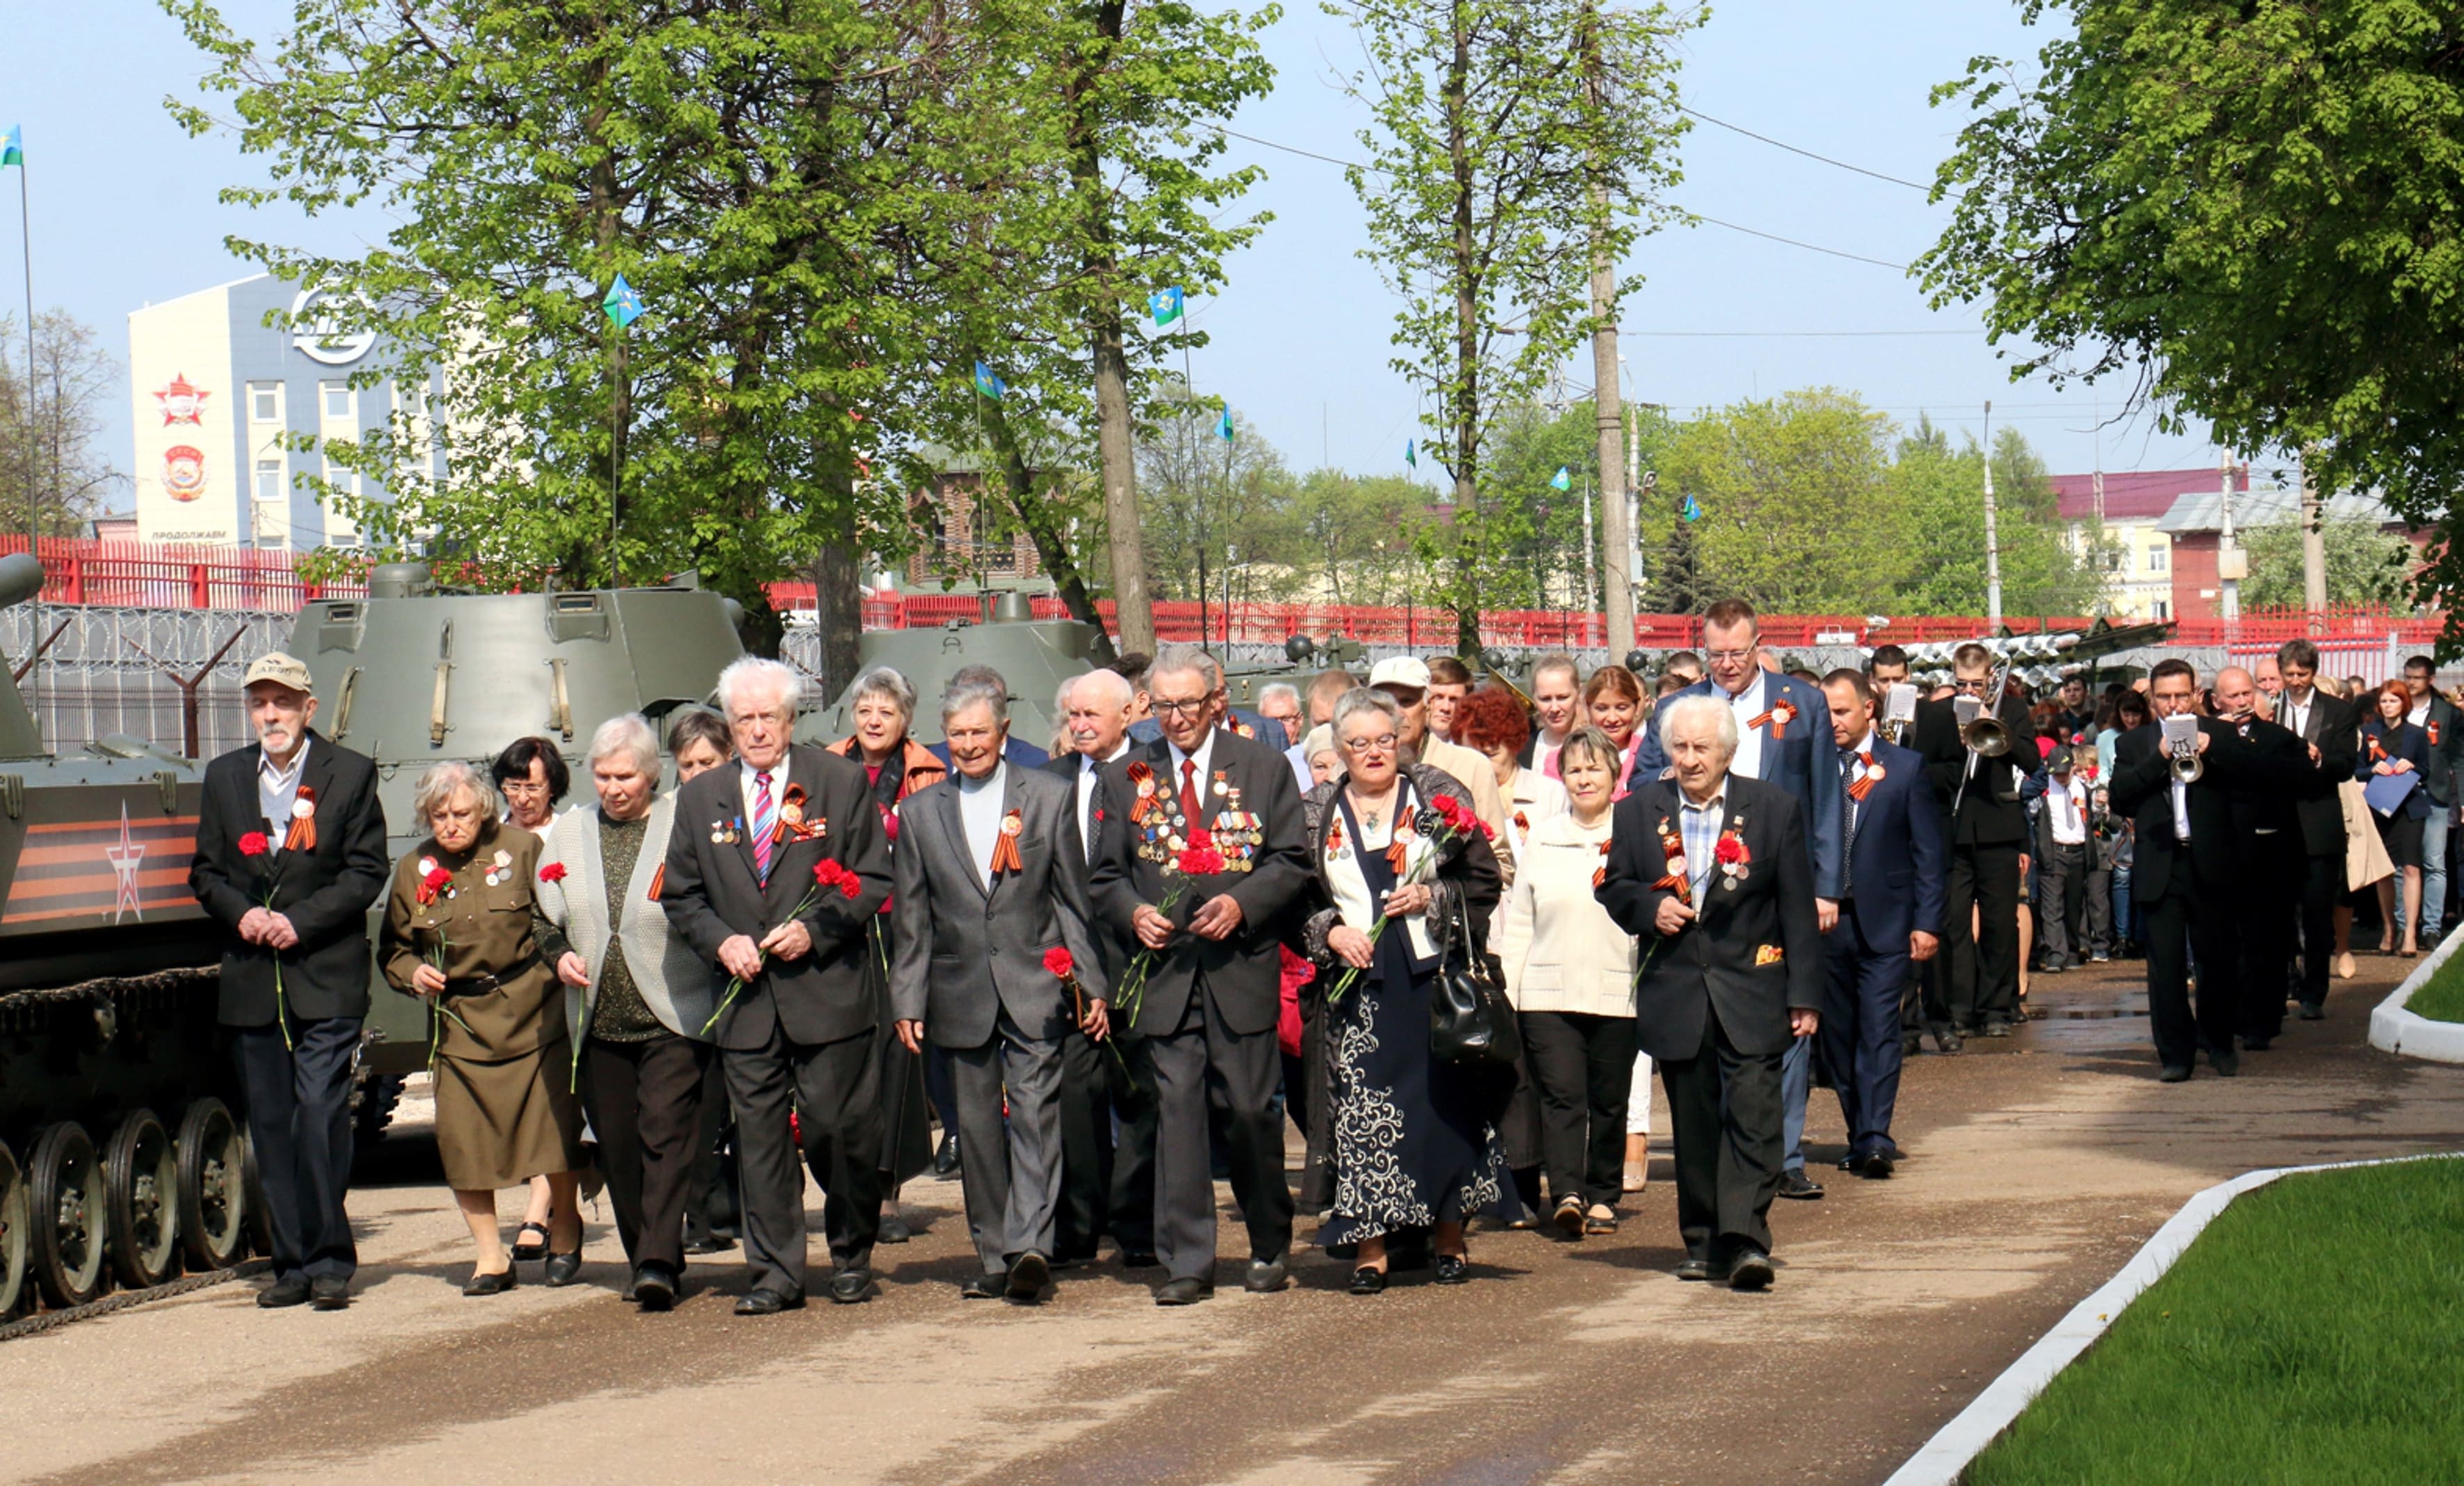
1956 1443
2399 1031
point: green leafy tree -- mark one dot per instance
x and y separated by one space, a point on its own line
2366 564
1513 143
1938 492
1352 531
2252 208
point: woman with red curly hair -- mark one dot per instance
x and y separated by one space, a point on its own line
1494 722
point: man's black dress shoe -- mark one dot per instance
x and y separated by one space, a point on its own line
330 1293
1694 1268
1998 1028
564 1269
1138 1259
1875 1165
1750 1270
893 1229
1028 1277
1945 1038
1454 1269
1366 1280
2225 1061
1182 1292
1266 1277
983 1287
293 1291
654 1289
497 1283
851 1286
945 1161
1796 1184
2175 1072
709 1243
2313 1011
768 1303
1851 1163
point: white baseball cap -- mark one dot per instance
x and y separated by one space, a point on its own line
1400 670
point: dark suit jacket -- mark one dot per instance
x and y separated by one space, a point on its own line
2404 742
1897 870
1983 808
2143 789
2333 726
325 894
1243 970
961 953
2267 811
1802 760
713 892
1114 950
2446 728
1710 965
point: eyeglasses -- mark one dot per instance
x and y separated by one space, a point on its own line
1981 683
1192 707
1377 745
1730 655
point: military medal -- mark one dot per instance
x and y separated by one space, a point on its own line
301 835
1005 857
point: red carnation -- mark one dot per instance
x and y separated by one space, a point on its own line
254 844
1057 960
433 883
827 872
1730 851
1199 858
850 885
553 872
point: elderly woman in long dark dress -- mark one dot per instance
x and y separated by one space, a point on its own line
636 998
1410 1135
458 932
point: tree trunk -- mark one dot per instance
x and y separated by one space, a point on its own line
1113 452
1034 517
1465 410
838 615
1616 537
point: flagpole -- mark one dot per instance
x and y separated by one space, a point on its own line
34 427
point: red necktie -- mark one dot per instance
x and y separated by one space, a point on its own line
1189 792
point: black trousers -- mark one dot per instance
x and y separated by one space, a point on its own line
1860 1040
1581 1071
2181 924
2266 911
1200 1066
1133 1146
1724 1117
1086 1101
644 1099
834 1091
2061 884
710 1200
298 1110
2322 888
1979 979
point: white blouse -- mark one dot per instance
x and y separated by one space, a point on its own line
1349 885
1561 949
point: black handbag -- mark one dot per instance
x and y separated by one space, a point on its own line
1469 1017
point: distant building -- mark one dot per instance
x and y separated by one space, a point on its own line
2195 526
2138 578
956 544
217 392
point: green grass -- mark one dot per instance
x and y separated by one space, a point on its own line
2314 1332
2441 997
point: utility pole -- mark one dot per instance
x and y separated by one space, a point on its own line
2314 545
1993 545
2230 564
1607 421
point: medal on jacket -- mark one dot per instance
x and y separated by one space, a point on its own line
1858 790
1778 714
1005 857
302 835
1600 873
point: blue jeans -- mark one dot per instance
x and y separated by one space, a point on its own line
1795 1081
2433 876
2126 909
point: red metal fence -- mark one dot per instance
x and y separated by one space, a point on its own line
159 576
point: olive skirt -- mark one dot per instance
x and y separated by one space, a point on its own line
500 1124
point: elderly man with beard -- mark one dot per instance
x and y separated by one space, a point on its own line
290 851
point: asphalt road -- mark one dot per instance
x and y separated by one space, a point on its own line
2038 1165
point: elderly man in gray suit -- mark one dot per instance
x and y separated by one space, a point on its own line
990 894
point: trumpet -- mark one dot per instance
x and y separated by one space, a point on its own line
2188 766
1986 737
1980 731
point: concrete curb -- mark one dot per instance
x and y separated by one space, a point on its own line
1941 1460
2396 1030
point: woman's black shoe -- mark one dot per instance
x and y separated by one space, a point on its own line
497 1283
1366 1280
1454 1269
564 1269
525 1250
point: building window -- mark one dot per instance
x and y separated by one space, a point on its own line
2159 559
264 401
269 479
411 398
338 399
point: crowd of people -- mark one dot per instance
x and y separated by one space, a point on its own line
1447 929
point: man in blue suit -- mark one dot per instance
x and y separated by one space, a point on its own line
1784 738
1890 915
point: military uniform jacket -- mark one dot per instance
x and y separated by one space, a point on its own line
713 891
325 892
505 996
1251 804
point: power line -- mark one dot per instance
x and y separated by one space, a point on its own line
1352 165
1806 153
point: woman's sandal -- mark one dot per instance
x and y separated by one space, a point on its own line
525 1251
1568 1217
1601 1219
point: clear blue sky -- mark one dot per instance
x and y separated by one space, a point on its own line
124 213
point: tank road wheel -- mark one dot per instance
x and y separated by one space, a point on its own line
140 1184
16 1235
214 1187
69 1219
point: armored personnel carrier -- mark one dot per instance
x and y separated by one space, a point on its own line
120 1158
412 676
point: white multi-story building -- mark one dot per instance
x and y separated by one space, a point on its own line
220 396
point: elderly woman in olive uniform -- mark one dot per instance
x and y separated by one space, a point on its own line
458 932
636 998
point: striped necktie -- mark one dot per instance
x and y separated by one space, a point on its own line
765 821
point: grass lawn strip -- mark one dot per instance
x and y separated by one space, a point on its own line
2313 1332
2441 997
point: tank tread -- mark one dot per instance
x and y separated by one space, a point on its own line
119 1300
19 1010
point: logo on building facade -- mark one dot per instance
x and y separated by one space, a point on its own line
184 471
182 402
318 335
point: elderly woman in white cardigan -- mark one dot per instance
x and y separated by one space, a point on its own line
636 998
1570 972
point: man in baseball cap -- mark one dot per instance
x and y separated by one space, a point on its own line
1406 679
290 851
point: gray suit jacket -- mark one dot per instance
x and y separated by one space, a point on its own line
961 953
668 974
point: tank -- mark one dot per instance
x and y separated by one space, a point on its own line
120 1159
412 676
